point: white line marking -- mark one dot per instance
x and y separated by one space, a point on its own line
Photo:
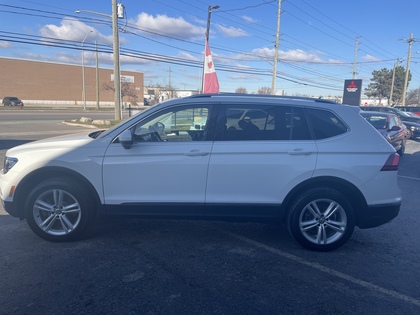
330 271
408 177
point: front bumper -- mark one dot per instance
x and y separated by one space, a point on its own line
377 215
10 208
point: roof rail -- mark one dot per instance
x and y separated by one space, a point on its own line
265 96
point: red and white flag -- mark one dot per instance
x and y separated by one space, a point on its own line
210 82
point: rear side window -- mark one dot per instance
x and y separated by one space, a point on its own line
259 122
325 124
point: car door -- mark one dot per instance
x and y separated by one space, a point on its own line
167 163
396 136
259 166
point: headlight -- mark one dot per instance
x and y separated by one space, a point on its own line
9 162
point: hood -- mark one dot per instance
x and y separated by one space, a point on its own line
61 143
411 119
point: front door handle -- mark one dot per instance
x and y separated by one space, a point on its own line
196 153
299 152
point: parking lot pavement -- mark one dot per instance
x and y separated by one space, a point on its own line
137 266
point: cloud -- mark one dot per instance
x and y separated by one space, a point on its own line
188 56
75 31
249 19
4 44
167 26
370 58
231 31
290 55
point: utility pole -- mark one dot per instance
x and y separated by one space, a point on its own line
356 49
407 70
116 51
392 82
97 76
276 49
169 80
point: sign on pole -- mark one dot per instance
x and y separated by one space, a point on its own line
352 92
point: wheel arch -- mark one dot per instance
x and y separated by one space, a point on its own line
39 175
349 190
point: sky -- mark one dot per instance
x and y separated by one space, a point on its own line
164 39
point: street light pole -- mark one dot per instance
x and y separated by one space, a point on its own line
209 10
83 72
116 52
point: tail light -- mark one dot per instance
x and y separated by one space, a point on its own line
391 163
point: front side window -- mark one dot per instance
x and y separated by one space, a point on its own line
179 124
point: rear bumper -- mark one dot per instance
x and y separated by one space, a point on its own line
377 215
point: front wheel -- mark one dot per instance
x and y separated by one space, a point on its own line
59 210
321 219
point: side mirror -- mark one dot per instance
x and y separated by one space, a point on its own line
126 139
395 128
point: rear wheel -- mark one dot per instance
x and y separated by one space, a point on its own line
321 219
401 150
58 210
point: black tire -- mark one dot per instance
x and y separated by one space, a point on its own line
58 209
313 226
401 150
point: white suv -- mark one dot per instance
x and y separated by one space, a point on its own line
316 165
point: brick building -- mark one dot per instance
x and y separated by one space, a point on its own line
36 82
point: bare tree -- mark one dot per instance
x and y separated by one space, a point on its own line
264 90
241 90
127 90
413 97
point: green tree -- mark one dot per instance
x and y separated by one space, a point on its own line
380 87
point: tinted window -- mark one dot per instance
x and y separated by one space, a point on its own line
265 123
292 123
325 124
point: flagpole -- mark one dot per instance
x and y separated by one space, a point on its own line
206 40
204 66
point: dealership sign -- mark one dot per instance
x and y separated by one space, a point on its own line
352 92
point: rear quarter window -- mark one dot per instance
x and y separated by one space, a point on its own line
325 124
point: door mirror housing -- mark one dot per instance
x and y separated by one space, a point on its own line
395 128
126 139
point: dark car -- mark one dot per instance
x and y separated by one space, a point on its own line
413 129
12 101
385 109
390 126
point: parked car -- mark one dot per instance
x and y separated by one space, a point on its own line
413 129
12 101
310 164
402 115
390 127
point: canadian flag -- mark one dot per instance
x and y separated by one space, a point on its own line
210 82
